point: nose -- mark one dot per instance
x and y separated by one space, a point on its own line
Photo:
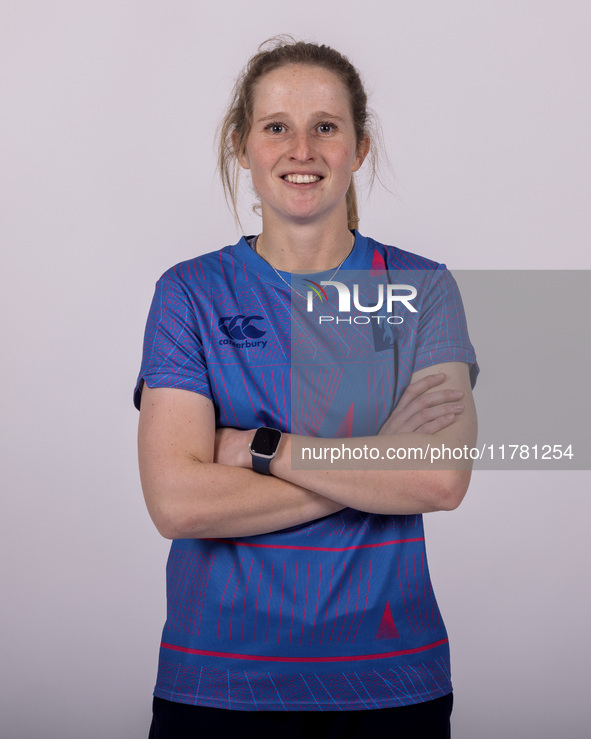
302 148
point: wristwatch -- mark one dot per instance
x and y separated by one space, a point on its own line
263 448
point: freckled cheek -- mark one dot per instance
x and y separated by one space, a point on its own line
263 162
342 158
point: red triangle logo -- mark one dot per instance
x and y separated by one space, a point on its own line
387 628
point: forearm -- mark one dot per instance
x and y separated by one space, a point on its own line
412 482
206 500
192 494
403 487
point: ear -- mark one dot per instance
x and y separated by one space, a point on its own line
242 158
362 152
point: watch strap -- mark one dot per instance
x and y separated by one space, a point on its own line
261 464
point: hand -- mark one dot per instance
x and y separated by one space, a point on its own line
231 447
424 412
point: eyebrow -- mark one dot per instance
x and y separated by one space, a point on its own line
318 114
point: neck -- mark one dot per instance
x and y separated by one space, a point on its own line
304 247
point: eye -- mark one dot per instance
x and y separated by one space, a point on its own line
275 128
326 127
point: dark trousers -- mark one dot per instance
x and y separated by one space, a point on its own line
429 720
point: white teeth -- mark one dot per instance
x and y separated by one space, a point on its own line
302 179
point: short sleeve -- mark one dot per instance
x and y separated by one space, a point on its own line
173 353
443 331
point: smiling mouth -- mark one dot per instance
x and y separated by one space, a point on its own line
301 179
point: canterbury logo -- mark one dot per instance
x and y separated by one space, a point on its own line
240 327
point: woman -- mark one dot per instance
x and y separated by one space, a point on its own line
299 600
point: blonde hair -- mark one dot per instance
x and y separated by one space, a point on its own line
235 126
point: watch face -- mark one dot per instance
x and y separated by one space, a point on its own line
265 441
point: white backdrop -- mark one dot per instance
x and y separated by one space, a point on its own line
109 110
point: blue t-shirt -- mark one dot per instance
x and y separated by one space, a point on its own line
338 613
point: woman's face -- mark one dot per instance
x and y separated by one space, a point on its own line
302 149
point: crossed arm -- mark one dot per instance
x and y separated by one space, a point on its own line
198 483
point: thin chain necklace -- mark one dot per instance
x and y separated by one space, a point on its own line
334 274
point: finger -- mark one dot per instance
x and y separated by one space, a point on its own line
429 400
416 389
427 415
427 407
438 424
